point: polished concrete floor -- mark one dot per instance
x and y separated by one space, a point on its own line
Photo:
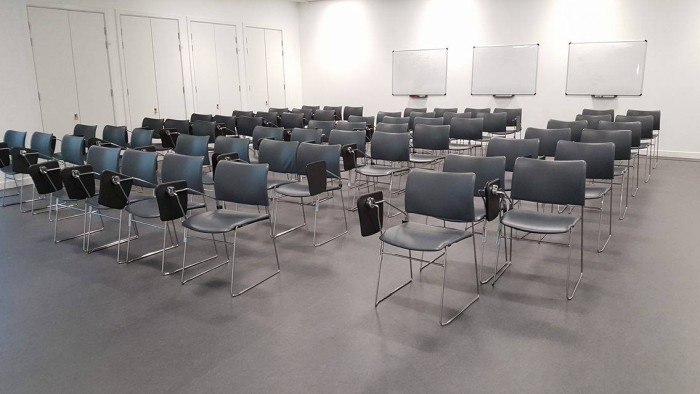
71 322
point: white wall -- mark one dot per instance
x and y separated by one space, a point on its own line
347 44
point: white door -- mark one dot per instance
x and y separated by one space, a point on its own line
204 64
55 74
168 68
274 54
139 68
227 66
90 57
256 69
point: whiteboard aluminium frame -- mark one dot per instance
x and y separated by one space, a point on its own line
568 58
504 94
417 94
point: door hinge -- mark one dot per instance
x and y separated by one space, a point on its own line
127 91
106 45
236 51
38 94
239 88
31 41
105 29
183 90
111 92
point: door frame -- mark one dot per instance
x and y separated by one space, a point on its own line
284 68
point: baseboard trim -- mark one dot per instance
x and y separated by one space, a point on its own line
671 154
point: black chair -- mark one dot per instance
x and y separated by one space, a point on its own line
205 128
79 185
225 125
289 120
512 149
281 157
636 128
193 145
246 124
440 112
495 124
325 114
349 137
382 114
11 140
647 135
72 150
395 120
238 114
369 124
432 138
20 161
444 196
46 177
279 111
314 136
44 144
548 139
657 127
306 111
317 163
272 133
230 176
416 114
201 117
153 124
514 117
225 145
352 111
448 116
470 130
600 165
545 182
476 111
85 131
576 127
115 136
311 108
428 121
337 112
141 138
324 125
407 111
176 125
349 126
392 127
270 119
610 112
593 120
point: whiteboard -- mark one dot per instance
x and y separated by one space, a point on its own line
606 68
419 72
505 70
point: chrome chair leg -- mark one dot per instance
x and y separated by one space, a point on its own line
379 277
600 220
233 265
568 265
345 218
498 272
442 297
185 266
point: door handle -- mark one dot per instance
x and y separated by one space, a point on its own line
217 106
75 116
155 110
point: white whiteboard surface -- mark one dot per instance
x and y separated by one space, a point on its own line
606 68
505 70
419 72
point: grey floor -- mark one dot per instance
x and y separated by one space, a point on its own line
70 322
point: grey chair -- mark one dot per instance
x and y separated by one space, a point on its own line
85 131
382 114
417 114
495 124
600 166
317 163
270 119
435 139
12 140
352 111
346 125
440 112
623 153
349 137
272 133
448 116
512 149
440 195
205 128
225 125
469 130
306 111
476 111
407 111
324 125
230 177
180 126
115 135
246 124
395 120
193 145
337 111
647 136
141 137
485 169
314 136
225 145
311 108
545 182
291 120
656 114
175 167
636 128
278 110
153 124
281 157
325 114
369 124
44 144
102 159
588 111
593 120
514 118
72 148
392 127
238 113
201 117
575 126
548 139
428 121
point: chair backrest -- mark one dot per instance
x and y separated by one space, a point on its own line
418 114
395 120
512 149
593 120
46 176
467 128
153 124
576 127
232 145
392 127
116 135
193 145
514 116
369 120
407 111
290 120
346 125
484 168
85 131
337 111
102 158
307 113
269 117
176 167
440 112
324 114
227 121
311 107
238 114
324 125
621 138
142 165
548 139
241 183
72 148
476 111
281 156
599 157
646 123
313 136
205 128
278 110
141 137
260 132
352 111
430 121
442 195
201 117
656 114
494 123
349 137
391 146
309 153
588 111
43 143
433 137
448 116
246 124
181 126
549 182
382 114
634 127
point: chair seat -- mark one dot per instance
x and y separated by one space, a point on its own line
479 210
299 189
456 146
378 170
539 222
424 158
422 237
275 182
92 201
596 191
147 209
620 170
221 221
7 170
